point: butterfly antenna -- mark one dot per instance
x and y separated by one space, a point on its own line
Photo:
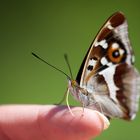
67 61
51 65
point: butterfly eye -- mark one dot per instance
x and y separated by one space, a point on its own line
73 83
115 53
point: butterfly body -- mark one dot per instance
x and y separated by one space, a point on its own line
107 80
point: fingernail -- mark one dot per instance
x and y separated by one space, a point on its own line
104 119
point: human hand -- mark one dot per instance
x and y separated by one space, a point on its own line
49 122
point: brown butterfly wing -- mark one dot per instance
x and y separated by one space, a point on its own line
107 68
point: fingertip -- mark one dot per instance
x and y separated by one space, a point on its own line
93 122
81 126
104 119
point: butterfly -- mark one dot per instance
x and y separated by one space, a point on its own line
107 80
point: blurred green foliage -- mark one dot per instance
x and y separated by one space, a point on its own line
51 28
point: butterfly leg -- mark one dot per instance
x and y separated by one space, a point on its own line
100 107
63 99
83 108
67 102
96 106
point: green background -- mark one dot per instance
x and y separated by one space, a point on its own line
50 29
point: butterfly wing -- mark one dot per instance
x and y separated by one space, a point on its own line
107 71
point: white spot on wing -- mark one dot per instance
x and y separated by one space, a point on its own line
108 74
92 62
115 45
108 25
102 43
121 51
133 116
104 61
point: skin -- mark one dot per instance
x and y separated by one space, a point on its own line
49 122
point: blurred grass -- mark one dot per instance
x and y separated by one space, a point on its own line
50 29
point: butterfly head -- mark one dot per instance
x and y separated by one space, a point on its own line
74 88
73 83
